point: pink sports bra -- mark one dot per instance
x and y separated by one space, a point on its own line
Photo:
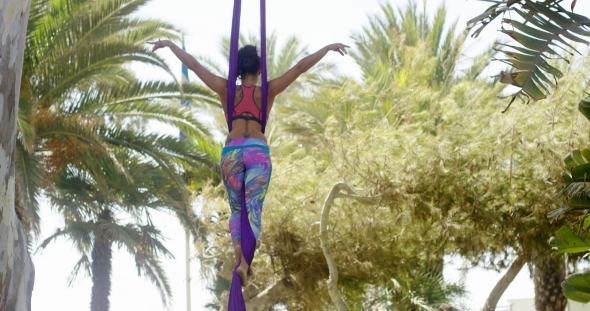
246 105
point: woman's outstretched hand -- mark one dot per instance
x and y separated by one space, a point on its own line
339 47
160 44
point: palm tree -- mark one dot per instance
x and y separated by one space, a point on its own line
402 53
94 195
77 92
416 290
396 47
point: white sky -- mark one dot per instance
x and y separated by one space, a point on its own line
316 23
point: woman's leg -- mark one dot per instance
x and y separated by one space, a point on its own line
257 178
232 172
246 175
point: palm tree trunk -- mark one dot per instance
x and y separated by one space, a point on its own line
102 257
16 268
548 275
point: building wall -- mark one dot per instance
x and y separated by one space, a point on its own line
528 304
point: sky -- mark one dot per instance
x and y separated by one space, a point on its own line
316 23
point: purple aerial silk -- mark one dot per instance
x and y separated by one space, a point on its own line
233 61
248 241
236 298
263 63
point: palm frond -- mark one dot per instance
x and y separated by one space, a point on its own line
388 48
151 241
121 235
88 22
152 268
541 35
311 118
36 13
75 130
435 33
80 233
29 177
89 62
212 65
145 101
26 128
490 14
82 264
143 30
199 94
165 150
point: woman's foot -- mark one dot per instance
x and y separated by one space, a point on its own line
238 254
243 272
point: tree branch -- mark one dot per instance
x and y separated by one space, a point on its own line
324 243
507 278
306 251
269 297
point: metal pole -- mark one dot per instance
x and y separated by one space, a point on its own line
188 270
184 79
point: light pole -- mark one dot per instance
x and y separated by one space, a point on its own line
184 79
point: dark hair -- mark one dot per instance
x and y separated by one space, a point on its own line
248 61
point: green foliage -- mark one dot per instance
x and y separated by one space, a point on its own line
86 139
78 95
577 287
542 33
452 178
545 29
566 241
420 290
394 47
576 191
84 191
584 107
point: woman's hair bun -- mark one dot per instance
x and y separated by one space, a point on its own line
248 61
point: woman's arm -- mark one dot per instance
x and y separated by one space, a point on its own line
215 83
278 85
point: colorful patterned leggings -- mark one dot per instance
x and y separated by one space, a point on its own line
246 166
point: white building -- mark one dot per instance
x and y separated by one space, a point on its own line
528 304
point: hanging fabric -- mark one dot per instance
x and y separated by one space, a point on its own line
248 240
233 61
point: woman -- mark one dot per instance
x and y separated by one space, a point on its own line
245 157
